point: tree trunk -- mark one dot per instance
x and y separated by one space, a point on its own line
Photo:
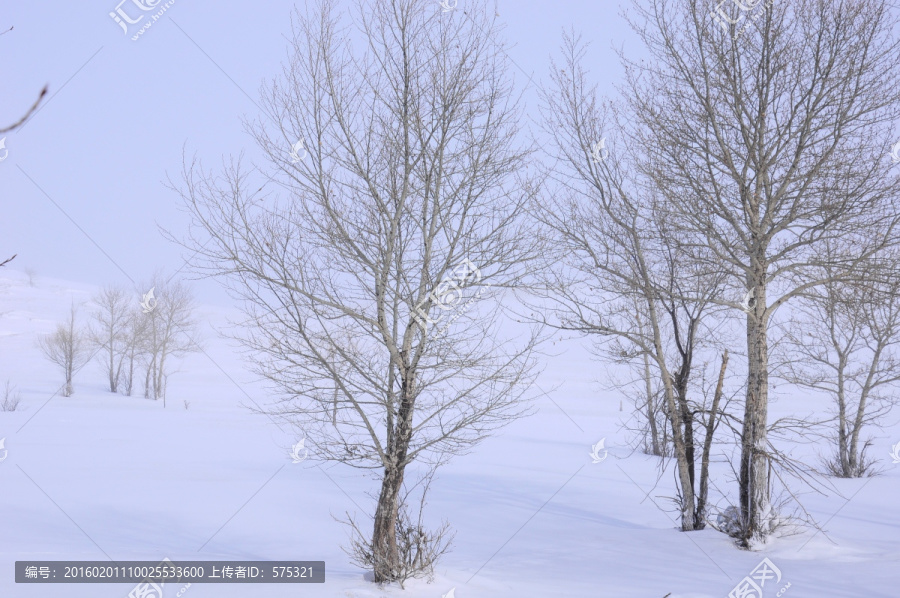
684 476
700 513
754 476
159 383
856 464
149 379
70 389
129 382
384 537
842 431
651 411
687 426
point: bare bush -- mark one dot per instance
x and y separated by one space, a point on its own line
836 464
11 398
419 548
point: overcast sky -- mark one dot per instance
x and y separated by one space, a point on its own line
82 186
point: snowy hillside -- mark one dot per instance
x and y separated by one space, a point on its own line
100 476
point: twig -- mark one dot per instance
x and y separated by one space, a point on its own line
27 114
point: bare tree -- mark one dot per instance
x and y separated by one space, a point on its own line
843 341
401 165
767 143
625 280
110 331
168 331
135 331
68 347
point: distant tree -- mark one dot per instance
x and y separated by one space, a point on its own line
168 331
136 327
68 347
109 331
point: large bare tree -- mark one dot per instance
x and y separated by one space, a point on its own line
396 146
768 137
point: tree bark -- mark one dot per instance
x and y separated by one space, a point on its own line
754 474
384 537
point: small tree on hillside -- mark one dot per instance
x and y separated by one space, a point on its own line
135 329
68 347
168 332
109 331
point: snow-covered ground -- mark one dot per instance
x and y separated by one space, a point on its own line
99 475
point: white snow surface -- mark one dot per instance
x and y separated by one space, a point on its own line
101 476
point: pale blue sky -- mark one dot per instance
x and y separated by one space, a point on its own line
119 112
